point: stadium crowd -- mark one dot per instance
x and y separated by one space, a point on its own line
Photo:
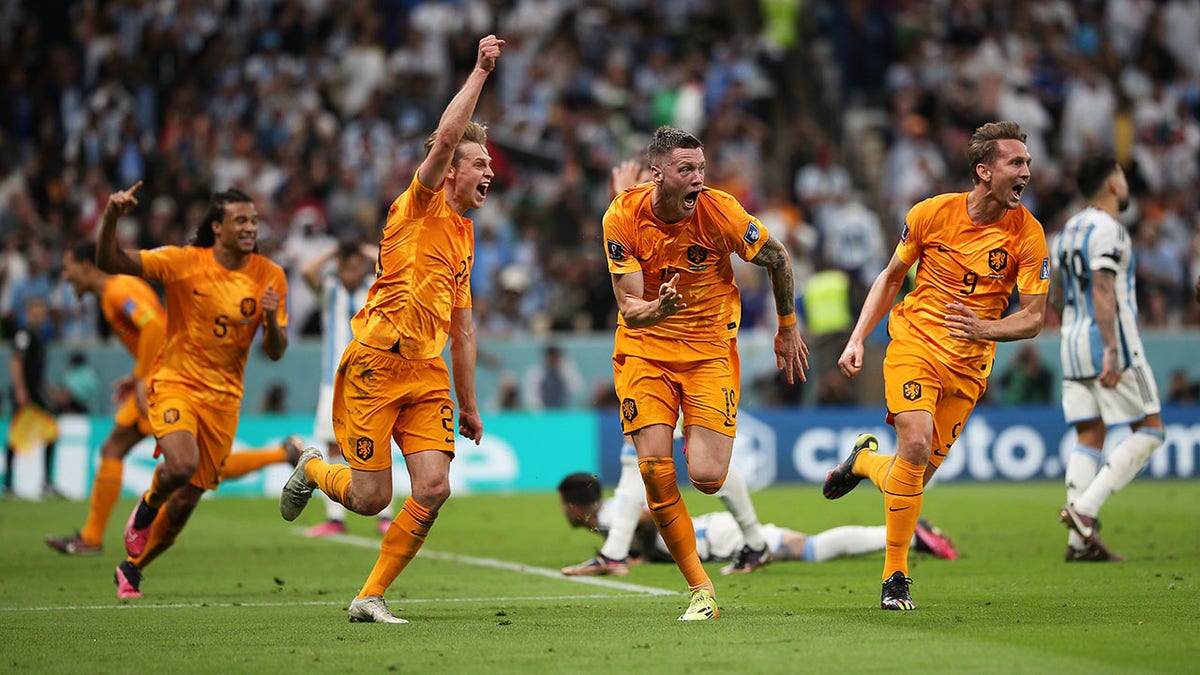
828 119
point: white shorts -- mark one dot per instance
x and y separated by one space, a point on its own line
323 424
1134 397
718 536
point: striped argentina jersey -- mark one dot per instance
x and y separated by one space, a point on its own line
338 307
1091 241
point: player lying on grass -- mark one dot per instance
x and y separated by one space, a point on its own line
719 537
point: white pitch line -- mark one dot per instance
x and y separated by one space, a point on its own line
364 542
312 603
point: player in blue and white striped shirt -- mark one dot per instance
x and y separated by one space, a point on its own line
341 292
1106 378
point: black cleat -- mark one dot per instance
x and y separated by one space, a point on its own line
895 593
747 560
842 479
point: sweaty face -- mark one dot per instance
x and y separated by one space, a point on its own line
1009 172
679 180
471 175
239 230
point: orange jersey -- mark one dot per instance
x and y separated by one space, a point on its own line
423 272
698 249
972 264
137 318
213 314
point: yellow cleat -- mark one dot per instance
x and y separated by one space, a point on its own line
703 606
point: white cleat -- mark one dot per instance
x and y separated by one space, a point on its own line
372 609
297 490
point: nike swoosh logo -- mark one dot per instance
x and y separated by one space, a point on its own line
939 454
902 508
668 523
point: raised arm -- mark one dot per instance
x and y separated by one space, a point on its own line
791 354
110 257
311 272
457 114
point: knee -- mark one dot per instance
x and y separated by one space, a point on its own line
371 505
433 494
708 487
181 471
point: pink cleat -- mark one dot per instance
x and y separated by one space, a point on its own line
128 579
383 524
932 540
136 538
326 529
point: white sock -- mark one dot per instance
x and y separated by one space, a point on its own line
735 494
630 499
1082 465
1123 463
844 540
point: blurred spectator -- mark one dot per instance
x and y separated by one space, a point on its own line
1180 389
80 387
1027 380
554 383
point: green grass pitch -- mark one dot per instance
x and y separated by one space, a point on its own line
243 591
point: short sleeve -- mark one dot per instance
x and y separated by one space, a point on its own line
166 263
620 240
1108 246
909 247
1033 273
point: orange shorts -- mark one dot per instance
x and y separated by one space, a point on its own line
914 379
128 415
654 392
213 428
379 396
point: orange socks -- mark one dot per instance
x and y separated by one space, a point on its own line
241 463
902 495
874 466
403 539
332 479
672 517
162 534
106 489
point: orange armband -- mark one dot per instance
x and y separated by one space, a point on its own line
787 320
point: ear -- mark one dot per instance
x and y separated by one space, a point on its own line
656 174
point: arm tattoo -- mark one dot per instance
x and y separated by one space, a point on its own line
775 258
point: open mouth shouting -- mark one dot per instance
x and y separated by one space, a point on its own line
481 190
1017 191
689 200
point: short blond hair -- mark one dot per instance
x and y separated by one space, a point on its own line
982 147
474 133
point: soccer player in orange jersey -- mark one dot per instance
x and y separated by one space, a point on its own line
392 383
669 243
219 292
138 319
972 249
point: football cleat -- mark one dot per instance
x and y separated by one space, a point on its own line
326 529
932 540
72 545
297 490
382 525
747 560
372 609
1087 527
702 606
895 593
1092 554
842 479
598 566
128 579
136 537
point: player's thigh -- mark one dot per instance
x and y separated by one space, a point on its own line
367 394
1080 400
707 451
175 424
214 436
1134 397
911 379
710 394
649 393
129 415
120 441
959 397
